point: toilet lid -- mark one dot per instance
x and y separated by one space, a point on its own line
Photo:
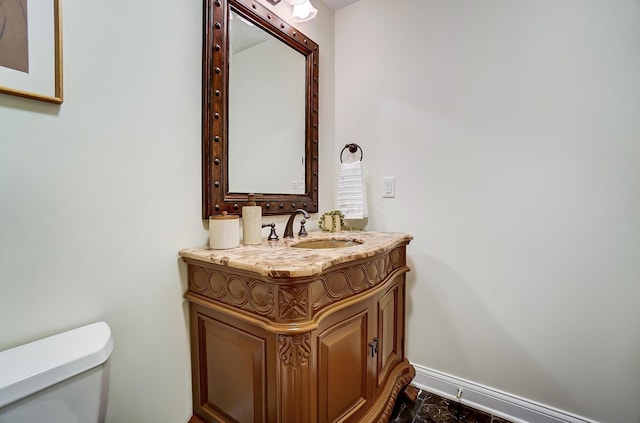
31 367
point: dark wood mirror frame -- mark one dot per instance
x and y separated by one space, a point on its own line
216 197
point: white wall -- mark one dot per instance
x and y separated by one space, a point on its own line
98 195
513 129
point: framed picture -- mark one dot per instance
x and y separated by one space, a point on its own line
31 49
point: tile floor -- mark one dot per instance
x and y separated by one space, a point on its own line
430 408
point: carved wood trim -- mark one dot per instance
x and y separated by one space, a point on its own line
293 303
402 375
400 383
249 294
295 377
294 350
299 327
343 283
282 300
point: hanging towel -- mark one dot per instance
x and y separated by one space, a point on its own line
352 192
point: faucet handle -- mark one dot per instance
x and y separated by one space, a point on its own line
303 231
273 236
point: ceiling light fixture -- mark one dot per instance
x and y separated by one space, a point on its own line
303 10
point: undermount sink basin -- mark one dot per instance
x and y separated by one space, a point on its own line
326 243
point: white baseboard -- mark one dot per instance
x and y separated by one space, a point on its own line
500 404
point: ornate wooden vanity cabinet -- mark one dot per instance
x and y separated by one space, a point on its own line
282 334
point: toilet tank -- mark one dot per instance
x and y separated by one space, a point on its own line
60 379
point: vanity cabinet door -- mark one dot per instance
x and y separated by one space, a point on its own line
344 370
231 373
389 309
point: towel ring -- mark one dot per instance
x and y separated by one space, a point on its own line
353 148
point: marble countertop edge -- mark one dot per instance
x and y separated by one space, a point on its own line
281 259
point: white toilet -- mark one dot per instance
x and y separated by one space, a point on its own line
60 379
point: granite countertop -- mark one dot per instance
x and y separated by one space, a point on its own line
279 259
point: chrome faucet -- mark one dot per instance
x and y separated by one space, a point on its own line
288 230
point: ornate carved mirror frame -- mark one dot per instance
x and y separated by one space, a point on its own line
216 196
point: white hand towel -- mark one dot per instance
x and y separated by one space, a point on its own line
352 192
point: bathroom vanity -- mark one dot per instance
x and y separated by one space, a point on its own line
286 334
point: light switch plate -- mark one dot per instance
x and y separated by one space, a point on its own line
389 187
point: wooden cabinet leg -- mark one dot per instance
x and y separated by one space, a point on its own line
411 392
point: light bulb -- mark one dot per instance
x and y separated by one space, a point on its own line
304 11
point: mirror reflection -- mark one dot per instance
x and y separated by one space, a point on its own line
267 94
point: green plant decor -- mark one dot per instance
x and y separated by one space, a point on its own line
332 227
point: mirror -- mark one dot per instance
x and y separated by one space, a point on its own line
260 111
265 95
